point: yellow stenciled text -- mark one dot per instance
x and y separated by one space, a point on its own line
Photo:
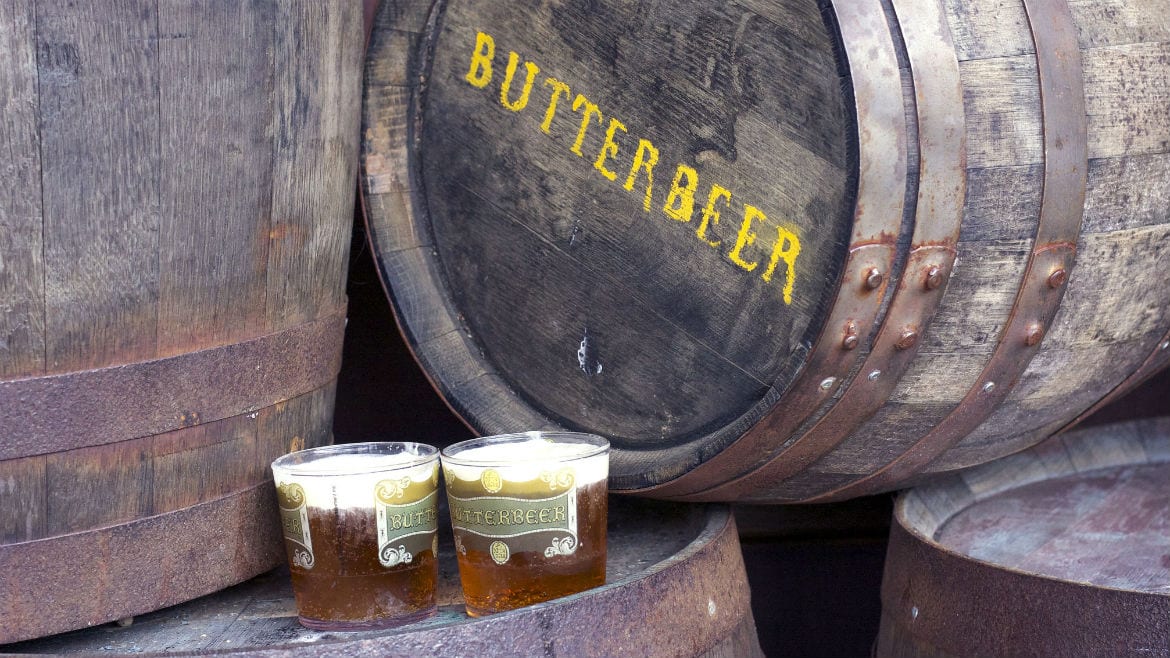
757 241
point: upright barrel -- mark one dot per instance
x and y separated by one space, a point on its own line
175 218
1059 550
787 251
675 587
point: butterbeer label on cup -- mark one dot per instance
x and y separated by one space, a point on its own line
404 529
294 517
547 525
525 502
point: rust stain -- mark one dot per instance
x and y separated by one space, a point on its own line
294 234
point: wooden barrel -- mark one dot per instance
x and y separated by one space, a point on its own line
784 251
675 586
175 215
1061 550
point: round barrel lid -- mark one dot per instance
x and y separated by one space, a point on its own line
621 218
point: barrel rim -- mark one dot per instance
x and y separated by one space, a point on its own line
912 502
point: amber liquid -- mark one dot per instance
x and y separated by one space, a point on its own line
530 577
348 588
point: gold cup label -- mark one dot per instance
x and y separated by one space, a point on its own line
404 528
507 524
294 519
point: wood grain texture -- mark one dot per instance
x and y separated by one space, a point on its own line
317 84
145 148
89 488
610 268
22 274
23 504
216 75
100 150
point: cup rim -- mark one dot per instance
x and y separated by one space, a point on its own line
297 462
451 452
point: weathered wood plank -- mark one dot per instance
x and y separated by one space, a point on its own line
318 84
303 422
1000 28
94 487
202 463
215 71
22 274
1127 98
1121 22
1001 98
1127 193
978 299
989 29
23 509
100 164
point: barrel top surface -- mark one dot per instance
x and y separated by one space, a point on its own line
614 203
646 541
1092 507
1107 528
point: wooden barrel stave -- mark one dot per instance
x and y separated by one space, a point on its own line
878 436
173 243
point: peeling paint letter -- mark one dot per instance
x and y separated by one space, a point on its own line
480 73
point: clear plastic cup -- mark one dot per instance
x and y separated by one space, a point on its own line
360 529
528 513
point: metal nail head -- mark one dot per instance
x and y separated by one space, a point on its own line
1035 333
934 277
907 339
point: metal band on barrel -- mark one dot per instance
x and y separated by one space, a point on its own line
942 189
877 217
54 413
150 551
1062 101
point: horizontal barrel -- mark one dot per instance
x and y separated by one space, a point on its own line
776 252
175 219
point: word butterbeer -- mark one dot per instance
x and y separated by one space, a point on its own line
751 251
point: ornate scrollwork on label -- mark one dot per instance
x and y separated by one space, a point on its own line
302 559
562 479
294 520
388 491
561 546
392 556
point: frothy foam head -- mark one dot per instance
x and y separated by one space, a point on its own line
527 459
348 480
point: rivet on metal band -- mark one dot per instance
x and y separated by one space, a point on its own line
1062 101
881 186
